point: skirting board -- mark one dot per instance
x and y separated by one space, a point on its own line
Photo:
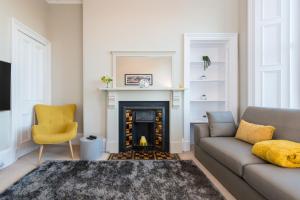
186 145
7 157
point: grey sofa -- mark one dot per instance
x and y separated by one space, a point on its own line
246 176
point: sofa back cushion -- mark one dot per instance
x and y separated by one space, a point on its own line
221 124
285 121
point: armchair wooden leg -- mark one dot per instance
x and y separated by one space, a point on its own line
41 153
71 150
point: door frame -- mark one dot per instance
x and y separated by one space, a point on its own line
17 26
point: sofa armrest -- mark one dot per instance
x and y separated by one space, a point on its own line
200 131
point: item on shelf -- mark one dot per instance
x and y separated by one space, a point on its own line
203 77
203 97
204 116
206 62
134 79
144 83
106 79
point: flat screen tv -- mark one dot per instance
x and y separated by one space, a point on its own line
5 76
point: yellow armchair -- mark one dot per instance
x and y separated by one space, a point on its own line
55 125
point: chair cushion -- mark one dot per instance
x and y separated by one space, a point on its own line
53 138
42 135
232 153
274 182
221 124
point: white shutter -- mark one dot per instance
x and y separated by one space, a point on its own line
271 53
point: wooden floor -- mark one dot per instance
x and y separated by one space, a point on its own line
27 163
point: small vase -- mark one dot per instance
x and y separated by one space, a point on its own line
107 85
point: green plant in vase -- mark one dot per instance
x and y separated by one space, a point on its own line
206 62
107 80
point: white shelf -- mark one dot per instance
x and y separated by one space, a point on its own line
199 121
212 62
206 80
140 89
199 100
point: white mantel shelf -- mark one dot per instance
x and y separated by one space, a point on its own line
112 94
140 89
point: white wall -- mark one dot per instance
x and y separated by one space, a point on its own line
33 13
62 25
152 25
243 62
65 34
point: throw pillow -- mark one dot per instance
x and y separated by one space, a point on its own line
253 133
221 124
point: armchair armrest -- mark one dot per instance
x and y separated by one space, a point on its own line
72 129
201 131
38 129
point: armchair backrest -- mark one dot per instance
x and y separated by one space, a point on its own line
56 117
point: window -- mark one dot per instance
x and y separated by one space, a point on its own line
274 53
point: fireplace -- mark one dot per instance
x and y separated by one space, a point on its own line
144 126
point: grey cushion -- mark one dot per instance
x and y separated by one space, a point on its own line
274 182
200 131
232 153
286 121
221 124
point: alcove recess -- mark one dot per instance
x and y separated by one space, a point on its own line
213 88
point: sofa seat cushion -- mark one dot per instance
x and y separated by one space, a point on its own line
274 182
232 153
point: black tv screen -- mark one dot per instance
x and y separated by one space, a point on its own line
5 76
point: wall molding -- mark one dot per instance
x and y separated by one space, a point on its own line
64 1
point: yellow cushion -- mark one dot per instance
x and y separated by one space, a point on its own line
253 133
55 124
283 153
42 134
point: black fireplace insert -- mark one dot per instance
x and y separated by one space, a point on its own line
144 126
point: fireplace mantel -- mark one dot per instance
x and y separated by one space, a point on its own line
112 93
140 89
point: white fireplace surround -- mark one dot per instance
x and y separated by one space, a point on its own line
173 95
158 92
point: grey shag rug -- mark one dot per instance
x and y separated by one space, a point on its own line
113 180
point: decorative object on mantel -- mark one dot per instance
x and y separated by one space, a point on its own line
106 79
134 79
144 83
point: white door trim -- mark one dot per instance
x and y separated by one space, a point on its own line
251 51
17 26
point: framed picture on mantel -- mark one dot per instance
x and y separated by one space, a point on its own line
134 79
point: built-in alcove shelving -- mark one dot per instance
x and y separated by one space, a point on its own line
214 88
